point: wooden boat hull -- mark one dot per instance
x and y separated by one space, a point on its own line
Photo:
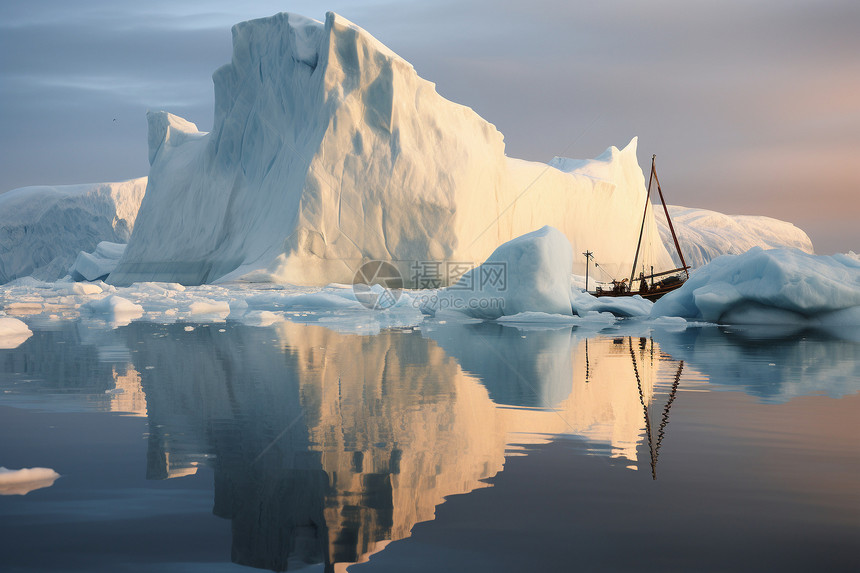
652 294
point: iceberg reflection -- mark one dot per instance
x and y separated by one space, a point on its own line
327 446
773 364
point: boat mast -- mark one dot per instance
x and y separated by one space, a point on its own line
642 228
588 256
668 220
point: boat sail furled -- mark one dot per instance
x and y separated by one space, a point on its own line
651 285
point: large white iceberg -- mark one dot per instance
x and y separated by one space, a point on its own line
705 235
769 286
42 229
328 150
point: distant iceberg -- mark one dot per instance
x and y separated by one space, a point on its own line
705 235
42 229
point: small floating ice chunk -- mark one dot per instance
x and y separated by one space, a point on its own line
25 480
13 332
98 264
261 318
540 317
205 306
114 307
86 288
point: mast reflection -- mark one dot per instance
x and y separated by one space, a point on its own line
654 444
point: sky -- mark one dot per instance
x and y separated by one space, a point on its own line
752 107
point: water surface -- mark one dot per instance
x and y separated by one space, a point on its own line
455 447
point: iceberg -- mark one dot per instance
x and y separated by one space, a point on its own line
98 264
705 235
528 274
761 286
328 150
42 229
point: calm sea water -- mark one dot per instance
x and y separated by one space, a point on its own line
448 447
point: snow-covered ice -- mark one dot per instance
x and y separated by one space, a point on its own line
328 149
98 264
528 274
114 308
769 286
591 319
635 305
25 480
42 229
13 332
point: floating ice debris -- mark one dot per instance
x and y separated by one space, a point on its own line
25 480
13 332
778 286
582 302
98 264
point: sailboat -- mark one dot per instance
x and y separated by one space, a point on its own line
645 285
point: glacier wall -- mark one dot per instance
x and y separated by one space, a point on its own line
328 149
42 229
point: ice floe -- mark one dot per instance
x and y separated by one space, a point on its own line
769 286
25 480
13 332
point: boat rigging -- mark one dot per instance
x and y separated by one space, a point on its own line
647 287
